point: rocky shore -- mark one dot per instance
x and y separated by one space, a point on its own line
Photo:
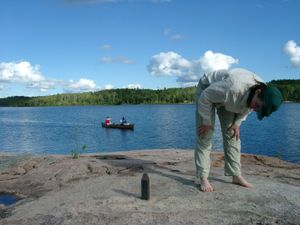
106 189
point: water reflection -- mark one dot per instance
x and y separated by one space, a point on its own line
8 199
277 135
290 121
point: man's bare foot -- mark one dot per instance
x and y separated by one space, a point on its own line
206 186
241 181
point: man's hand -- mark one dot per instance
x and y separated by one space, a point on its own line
204 129
236 131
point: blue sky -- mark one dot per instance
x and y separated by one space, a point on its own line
59 46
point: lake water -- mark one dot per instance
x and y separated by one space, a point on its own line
58 130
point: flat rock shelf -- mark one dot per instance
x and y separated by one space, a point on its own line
106 189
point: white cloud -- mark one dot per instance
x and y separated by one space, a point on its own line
168 64
44 85
106 60
108 87
81 86
106 47
25 73
134 86
177 37
293 51
129 86
169 33
20 72
215 61
118 59
188 72
30 76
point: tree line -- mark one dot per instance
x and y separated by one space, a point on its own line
289 88
107 97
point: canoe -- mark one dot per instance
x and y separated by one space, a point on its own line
119 126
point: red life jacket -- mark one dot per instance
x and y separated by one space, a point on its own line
107 121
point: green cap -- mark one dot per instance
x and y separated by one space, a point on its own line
272 101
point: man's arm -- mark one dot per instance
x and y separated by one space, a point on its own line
215 93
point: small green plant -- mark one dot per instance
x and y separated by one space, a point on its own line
75 152
277 155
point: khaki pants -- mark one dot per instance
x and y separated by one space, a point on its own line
232 147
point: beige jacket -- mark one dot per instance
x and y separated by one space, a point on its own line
228 88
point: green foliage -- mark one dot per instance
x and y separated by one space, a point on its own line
289 88
75 152
277 155
107 97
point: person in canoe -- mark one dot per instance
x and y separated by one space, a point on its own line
123 121
233 94
107 120
122 125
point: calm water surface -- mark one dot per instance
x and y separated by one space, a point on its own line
60 129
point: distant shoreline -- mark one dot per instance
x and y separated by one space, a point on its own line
288 88
285 102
